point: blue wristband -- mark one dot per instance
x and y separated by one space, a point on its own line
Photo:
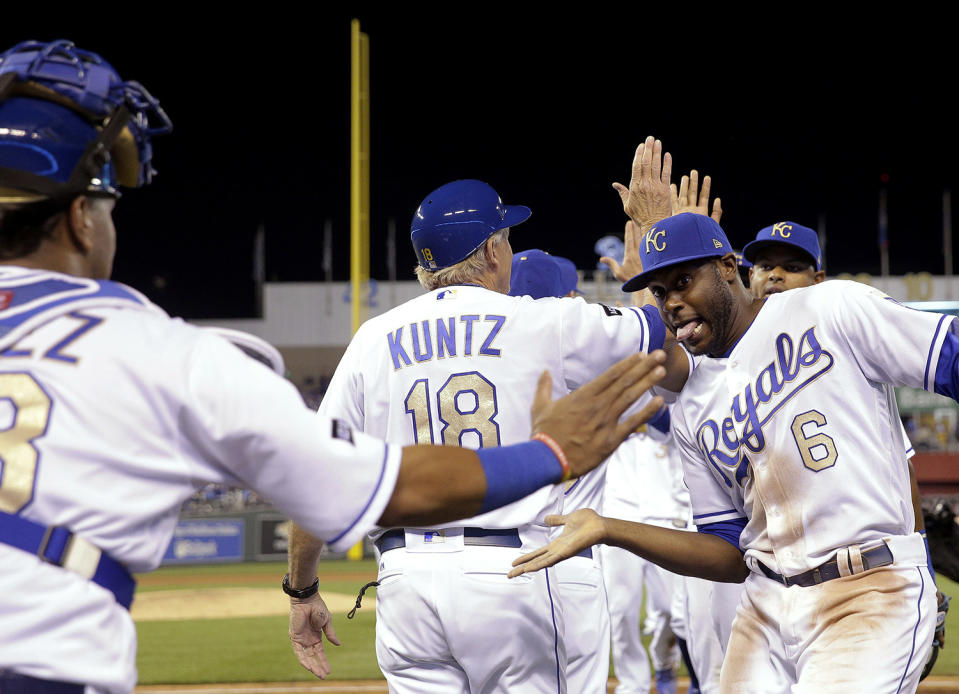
513 472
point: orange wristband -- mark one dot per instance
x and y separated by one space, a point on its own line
558 452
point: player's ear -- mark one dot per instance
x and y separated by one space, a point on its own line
728 267
79 226
820 276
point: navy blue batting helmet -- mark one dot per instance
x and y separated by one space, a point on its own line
456 219
70 125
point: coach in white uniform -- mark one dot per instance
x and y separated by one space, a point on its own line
112 414
458 366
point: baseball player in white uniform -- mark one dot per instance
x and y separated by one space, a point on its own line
457 366
643 483
792 452
579 580
111 413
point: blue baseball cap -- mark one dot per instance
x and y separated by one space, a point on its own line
678 239
789 233
568 275
742 260
456 219
536 273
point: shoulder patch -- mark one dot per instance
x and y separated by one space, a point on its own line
610 311
342 430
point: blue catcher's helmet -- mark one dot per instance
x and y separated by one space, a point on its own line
456 219
70 125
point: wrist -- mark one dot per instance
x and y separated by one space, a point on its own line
557 451
301 593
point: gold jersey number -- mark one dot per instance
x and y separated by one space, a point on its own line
18 455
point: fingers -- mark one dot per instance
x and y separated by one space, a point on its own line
536 565
631 424
656 158
313 658
530 556
611 377
704 193
554 519
717 211
667 168
636 389
544 388
693 188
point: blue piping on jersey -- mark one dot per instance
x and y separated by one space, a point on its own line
552 612
947 367
642 328
912 651
369 502
717 513
657 329
932 345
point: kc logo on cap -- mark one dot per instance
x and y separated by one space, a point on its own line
652 237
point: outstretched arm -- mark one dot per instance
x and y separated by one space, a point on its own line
680 551
440 483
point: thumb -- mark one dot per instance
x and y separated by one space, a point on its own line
544 389
622 190
555 520
612 263
331 633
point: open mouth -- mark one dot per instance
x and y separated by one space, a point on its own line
689 329
774 290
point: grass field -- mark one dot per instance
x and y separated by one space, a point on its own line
256 649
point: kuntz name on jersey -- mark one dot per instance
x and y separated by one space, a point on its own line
793 369
446 338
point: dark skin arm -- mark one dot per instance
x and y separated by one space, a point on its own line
680 551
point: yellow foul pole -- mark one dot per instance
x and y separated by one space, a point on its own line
359 186
359 172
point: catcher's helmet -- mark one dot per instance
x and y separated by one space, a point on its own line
456 219
70 125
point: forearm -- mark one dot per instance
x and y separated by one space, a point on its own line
304 555
432 482
680 551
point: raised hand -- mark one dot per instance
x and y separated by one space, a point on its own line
689 198
648 197
585 423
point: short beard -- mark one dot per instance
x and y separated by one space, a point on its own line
721 310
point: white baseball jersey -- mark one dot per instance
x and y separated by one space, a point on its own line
798 427
111 415
459 366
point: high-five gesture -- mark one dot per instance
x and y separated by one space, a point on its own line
648 197
690 199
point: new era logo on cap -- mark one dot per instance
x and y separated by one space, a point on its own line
678 239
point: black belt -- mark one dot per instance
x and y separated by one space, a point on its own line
871 559
396 538
12 683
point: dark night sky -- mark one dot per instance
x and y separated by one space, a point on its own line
548 111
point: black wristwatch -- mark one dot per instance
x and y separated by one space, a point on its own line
302 593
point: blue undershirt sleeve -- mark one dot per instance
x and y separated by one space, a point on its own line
728 530
947 368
